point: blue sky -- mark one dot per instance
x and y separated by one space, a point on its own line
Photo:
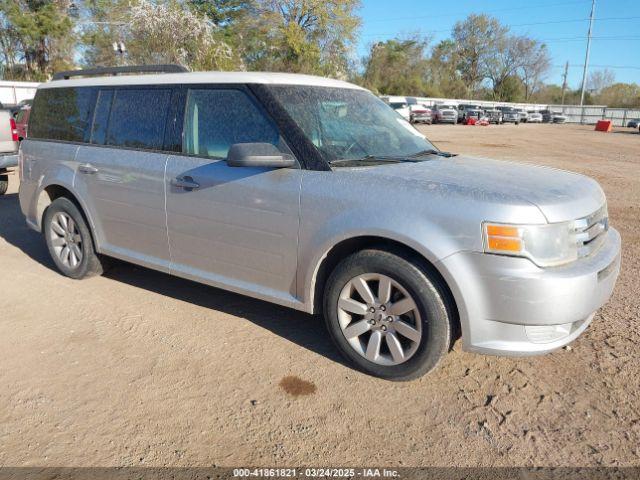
561 24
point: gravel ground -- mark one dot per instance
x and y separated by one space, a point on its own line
137 368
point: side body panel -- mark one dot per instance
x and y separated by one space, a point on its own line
44 163
238 230
125 197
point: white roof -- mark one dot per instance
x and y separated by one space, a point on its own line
203 77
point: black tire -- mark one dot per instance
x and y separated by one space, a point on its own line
4 184
427 292
91 263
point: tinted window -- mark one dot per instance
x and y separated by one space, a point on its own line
138 118
61 113
101 117
216 119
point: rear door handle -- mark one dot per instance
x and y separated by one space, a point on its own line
88 169
185 182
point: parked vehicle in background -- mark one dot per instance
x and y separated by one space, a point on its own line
402 109
558 117
524 116
494 116
635 123
463 107
22 121
472 116
547 116
420 113
511 116
8 147
443 113
314 195
400 105
534 117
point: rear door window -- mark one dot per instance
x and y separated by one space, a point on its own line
137 118
215 119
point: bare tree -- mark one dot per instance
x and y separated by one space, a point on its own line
599 80
535 65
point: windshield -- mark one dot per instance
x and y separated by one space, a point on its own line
397 105
349 124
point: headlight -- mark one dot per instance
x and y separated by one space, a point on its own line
545 245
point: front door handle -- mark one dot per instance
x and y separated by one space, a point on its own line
185 182
88 169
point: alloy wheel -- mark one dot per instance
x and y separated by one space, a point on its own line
379 319
66 240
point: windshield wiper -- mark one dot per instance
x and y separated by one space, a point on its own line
432 151
376 158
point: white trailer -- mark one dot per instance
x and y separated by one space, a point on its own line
12 93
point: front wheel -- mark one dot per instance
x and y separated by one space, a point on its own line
387 315
69 240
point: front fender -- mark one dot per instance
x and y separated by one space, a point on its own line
317 239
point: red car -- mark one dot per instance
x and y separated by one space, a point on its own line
22 119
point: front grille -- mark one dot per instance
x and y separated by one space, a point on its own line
591 231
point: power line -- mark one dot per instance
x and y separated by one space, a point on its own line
614 67
575 39
528 7
552 22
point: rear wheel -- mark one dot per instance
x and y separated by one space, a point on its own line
387 315
4 184
69 240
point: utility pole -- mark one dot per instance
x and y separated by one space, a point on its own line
564 80
586 57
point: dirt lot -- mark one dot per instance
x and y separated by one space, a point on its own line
138 368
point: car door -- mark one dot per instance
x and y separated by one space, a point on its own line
121 174
234 227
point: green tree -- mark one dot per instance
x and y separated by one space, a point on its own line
302 36
623 95
222 12
397 67
477 38
105 22
36 36
444 78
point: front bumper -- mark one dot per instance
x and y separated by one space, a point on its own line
509 306
422 118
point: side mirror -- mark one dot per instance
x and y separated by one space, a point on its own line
258 155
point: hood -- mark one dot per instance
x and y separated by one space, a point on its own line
560 195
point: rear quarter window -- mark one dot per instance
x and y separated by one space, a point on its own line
61 113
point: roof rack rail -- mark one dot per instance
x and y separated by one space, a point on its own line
167 68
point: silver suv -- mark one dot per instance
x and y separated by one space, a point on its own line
314 194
